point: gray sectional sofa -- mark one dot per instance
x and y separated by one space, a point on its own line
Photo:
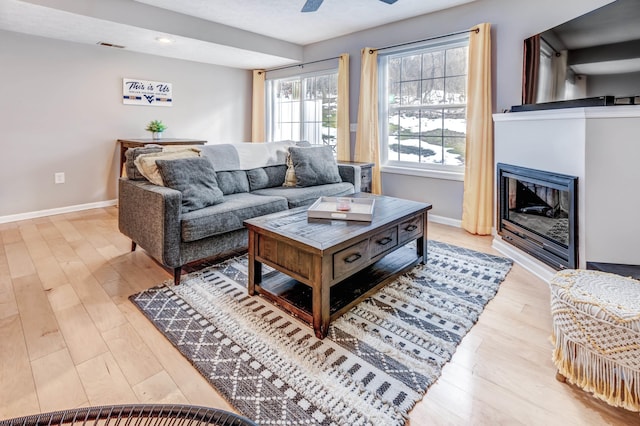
246 180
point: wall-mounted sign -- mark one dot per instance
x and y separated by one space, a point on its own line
143 92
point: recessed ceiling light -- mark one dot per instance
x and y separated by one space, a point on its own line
164 40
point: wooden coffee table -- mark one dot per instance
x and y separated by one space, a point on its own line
324 267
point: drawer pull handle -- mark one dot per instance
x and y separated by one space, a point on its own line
411 228
384 241
352 258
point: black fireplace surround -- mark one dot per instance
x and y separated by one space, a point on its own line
538 213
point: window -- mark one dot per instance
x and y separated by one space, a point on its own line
423 103
303 108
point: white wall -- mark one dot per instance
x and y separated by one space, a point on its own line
62 112
613 176
512 21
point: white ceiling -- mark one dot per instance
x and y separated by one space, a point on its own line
237 33
283 20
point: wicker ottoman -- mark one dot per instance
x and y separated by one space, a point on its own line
596 332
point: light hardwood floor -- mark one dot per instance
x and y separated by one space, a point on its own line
69 336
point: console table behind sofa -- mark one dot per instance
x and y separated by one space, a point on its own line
125 144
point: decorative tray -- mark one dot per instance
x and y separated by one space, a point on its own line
345 208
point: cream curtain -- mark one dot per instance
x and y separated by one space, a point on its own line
367 140
257 107
477 204
559 73
344 136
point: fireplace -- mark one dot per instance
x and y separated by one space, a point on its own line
537 213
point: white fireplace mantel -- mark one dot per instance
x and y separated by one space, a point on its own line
599 145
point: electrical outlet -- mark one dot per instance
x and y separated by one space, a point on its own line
58 177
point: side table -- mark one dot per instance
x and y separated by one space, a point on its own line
125 144
366 172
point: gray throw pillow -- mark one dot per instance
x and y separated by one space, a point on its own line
266 177
232 181
314 166
195 177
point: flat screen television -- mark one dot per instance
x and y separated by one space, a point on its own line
592 60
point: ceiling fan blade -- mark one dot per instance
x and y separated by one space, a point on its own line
389 1
312 5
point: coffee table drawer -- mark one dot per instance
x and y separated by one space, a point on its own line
383 241
351 258
410 229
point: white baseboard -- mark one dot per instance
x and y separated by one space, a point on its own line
529 263
445 220
451 222
60 210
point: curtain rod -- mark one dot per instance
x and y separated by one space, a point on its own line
301 65
476 30
551 46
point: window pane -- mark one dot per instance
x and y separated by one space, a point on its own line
431 122
455 89
410 93
457 61
455 150
394 136
295 90
311 133
431 135
394 93
455 127
433 65
433 91
393 69
310 88
411 66
414 149
286 130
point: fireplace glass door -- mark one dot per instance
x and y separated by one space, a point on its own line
538 213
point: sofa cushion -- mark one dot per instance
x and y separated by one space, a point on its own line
195 178
314 166
146 163
266 177
228 216
298 197
232 181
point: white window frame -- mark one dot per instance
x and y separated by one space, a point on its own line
270 96
440 171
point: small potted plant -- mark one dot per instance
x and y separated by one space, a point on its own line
156 127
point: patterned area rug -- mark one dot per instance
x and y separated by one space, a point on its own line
378 360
